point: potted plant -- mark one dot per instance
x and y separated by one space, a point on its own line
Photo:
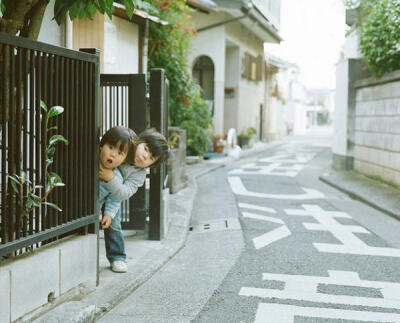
245 138
219 143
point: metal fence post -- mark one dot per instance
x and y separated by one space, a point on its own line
137 122
159 119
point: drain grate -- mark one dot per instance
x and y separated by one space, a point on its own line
220 225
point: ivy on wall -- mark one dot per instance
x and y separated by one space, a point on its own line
169 47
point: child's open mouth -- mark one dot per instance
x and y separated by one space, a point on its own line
109 161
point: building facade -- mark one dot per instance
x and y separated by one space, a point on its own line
228 60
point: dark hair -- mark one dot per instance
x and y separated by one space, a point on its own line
157 144
121 135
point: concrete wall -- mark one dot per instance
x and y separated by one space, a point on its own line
50 31
216 51
26 283
377 131
232 77
347 73
121 46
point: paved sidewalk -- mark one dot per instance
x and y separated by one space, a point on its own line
144 257
374 193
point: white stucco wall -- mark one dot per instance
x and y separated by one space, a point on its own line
121 46
339 145
212 44
50 31
251 93
352 48
232 77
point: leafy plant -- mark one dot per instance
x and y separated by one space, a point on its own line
380 37
168 49
379 22
29 194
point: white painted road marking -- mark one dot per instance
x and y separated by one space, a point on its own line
270 237
262 217
351 244
305 288
273 313
283 158
239 189
256 207
275 169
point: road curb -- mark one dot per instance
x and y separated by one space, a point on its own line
354 195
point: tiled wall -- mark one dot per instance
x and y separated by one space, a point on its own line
377 128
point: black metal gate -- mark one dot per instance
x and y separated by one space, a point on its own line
124 103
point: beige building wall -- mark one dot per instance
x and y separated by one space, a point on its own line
90 34
251 93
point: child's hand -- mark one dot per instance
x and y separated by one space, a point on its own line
105 174
106 222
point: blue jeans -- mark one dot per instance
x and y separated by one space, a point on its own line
114 239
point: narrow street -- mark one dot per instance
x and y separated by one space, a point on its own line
270 242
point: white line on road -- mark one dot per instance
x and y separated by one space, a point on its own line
272 313
239 189
270 237
256 207
262 217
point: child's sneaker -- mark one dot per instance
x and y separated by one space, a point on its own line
119 266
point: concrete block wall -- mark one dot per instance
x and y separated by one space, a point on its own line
30 281
377 127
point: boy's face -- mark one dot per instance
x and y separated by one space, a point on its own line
111 156
143 156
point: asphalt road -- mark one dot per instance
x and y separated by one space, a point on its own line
271 243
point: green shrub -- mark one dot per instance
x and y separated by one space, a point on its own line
379 22
380 37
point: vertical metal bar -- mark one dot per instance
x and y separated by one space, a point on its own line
86 116
11 144
67 179
45 215
59 100
51 88
32 55
110 109
76 143
118 106
82 142
157 106
25 149
18 130
38 113
137 122
4 209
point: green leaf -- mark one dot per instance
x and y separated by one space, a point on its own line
43 105
55 111
129 8
50 151
54 206
56 138
52 128
2 7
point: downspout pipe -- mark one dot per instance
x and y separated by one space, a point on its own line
246 8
